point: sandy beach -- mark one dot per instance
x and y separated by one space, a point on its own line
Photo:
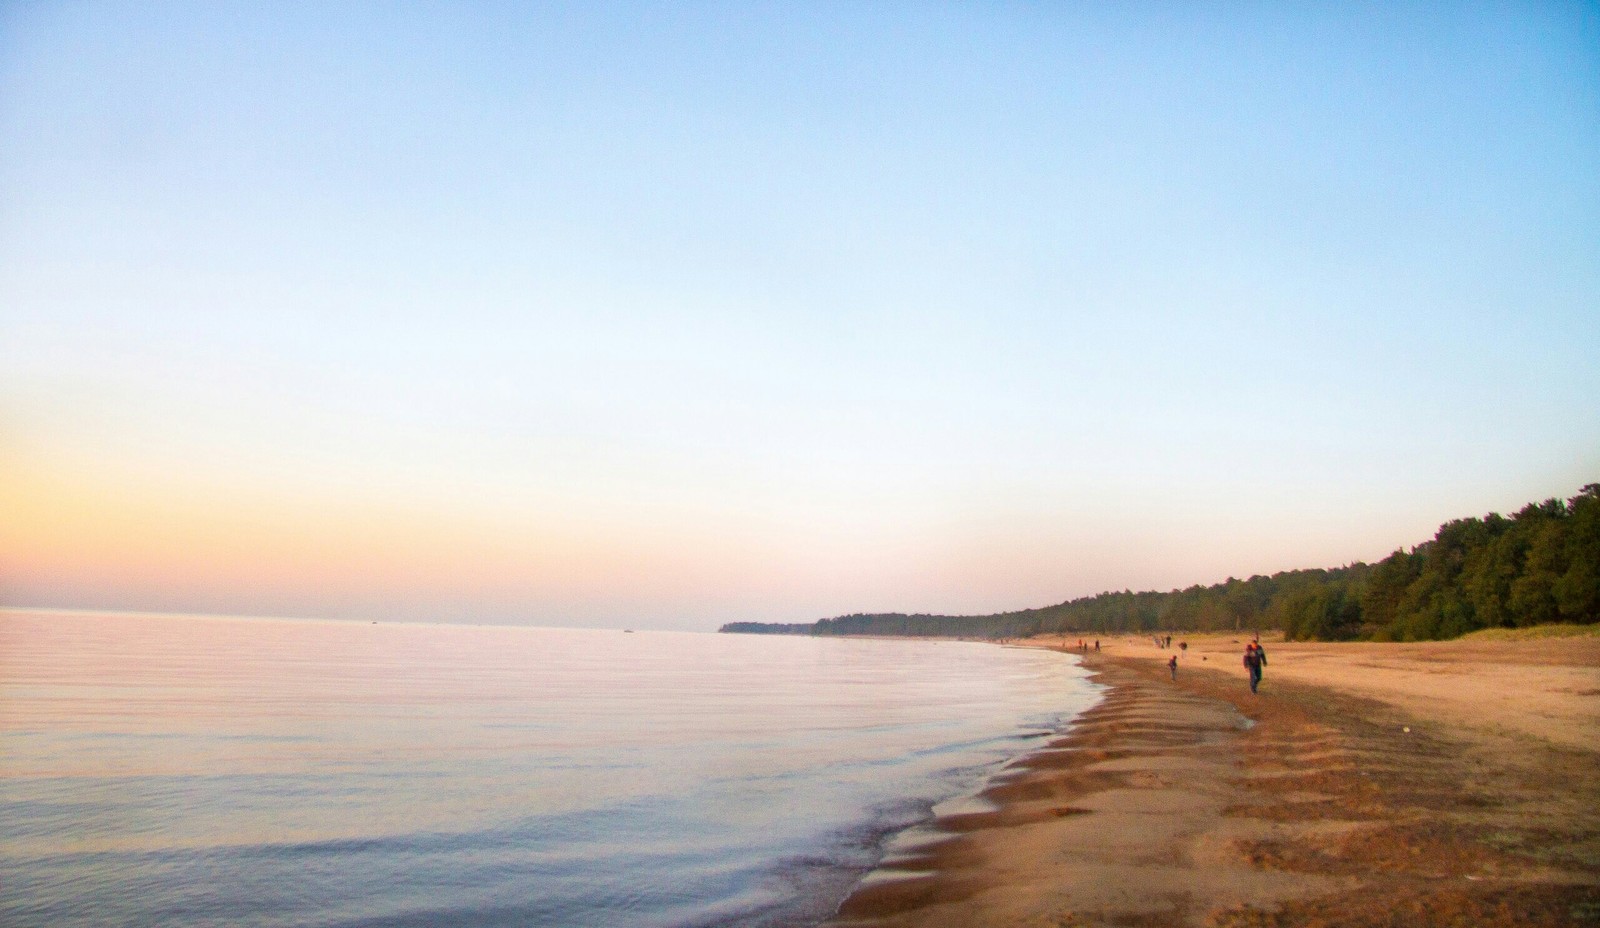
1443 783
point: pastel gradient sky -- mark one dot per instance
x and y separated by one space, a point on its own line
661 315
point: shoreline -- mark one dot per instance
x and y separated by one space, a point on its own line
1345 794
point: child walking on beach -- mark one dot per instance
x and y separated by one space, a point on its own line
1172 665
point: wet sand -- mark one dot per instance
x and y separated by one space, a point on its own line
1195 803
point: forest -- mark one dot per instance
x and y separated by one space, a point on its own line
1539 565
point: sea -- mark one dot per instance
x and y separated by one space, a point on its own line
187 771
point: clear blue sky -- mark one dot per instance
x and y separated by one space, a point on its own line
669 315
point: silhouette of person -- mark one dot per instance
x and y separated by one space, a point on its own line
1255 657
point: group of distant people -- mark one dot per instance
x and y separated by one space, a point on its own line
1255 658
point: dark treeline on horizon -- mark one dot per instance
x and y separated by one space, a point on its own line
1538 566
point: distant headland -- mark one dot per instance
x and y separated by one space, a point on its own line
1538 566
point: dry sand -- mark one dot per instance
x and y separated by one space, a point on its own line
1451 783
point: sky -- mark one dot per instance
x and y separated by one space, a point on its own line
668 315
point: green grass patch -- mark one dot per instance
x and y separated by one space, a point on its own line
1556 630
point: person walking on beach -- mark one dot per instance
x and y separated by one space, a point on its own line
1254 659
1172 665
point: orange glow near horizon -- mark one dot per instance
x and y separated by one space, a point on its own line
134 540
164 540
80 533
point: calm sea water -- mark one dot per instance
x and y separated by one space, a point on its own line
248 772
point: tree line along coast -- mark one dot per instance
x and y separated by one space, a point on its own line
1538 566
